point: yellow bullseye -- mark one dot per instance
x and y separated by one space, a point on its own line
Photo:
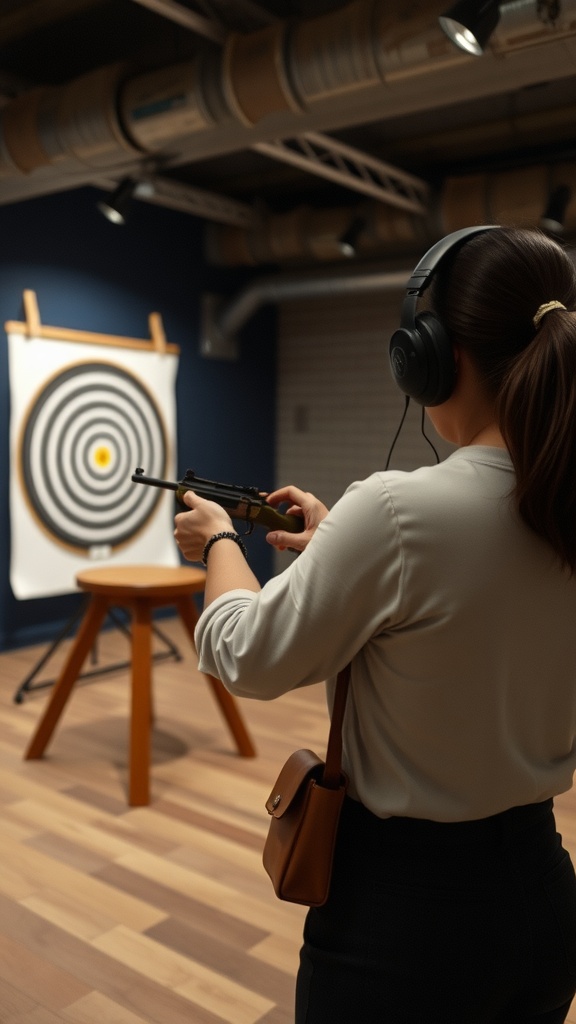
102 456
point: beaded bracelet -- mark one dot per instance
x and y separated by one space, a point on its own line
226 535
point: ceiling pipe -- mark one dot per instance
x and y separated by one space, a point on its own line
308 235
112 118
223 319
516 196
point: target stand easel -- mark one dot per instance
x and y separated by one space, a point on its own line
28 686
32 327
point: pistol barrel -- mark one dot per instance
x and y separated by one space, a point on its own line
139 478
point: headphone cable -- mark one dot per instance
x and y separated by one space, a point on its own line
401 424
425 436
397 434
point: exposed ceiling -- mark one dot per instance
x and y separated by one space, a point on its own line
284 122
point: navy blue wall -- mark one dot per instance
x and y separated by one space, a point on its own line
92 275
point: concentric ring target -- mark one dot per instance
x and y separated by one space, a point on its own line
85 434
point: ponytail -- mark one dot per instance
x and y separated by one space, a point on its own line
537 415
488 297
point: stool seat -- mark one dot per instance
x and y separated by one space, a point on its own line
140 588
154 582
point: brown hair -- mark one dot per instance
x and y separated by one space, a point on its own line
486 295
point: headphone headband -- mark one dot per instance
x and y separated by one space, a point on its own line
421 357
423 271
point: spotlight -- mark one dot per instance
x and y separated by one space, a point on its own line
553 217
470 24
348 241
115 205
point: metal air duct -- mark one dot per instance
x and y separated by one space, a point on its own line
289 74
223 319
74 123
304 235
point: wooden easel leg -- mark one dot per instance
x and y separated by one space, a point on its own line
141 710
85 638
228 706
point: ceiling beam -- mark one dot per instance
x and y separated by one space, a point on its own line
328 158
199 202
176 195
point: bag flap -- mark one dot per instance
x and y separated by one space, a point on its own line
297 769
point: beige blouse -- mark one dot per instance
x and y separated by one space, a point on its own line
461 628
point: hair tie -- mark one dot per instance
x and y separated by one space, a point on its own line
545 308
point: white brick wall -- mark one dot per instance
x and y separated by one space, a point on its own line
338 407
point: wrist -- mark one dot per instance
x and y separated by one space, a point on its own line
223 535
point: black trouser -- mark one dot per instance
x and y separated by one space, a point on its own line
427 923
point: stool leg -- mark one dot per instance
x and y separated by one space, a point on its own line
228 706
85 638
141 700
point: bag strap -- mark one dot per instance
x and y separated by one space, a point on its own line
333 767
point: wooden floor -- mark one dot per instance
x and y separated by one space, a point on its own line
151 915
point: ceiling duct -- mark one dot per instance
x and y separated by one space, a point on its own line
160 108
108 119
257 74
75 122
308 235
223 319
518 197
305 235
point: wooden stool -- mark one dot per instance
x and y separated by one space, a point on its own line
140 588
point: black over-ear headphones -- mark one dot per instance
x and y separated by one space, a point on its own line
421 356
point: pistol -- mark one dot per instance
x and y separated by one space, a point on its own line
245 503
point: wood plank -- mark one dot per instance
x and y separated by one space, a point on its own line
261 912
54 987
206 988
211 922
14 1001
66 912
95 970
28 871
96 1007
39 1015
276 985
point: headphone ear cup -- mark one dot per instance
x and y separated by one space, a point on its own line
441 361
408 362
422 361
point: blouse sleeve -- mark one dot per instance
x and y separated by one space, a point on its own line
308 622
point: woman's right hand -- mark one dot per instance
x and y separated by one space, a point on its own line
303 504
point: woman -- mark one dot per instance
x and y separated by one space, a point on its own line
452 591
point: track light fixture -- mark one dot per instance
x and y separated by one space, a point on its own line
348 241
469 24
554 215
115 205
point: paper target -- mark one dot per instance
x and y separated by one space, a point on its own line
85 433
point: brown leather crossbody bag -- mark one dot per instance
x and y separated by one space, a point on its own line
304 806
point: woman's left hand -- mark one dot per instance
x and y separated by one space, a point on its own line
193 529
